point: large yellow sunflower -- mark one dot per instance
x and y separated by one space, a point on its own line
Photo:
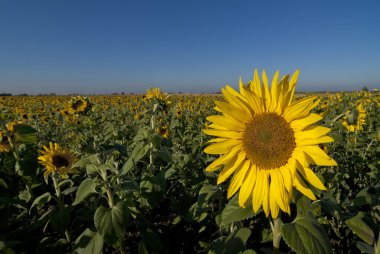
267 142
57 159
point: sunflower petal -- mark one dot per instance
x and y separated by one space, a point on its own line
300 185
230 168
238 179
247 186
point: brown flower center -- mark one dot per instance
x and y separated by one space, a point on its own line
60 161
77 104
268 140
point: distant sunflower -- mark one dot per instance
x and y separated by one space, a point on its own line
4 143
155 94
163 131
57 159
354 120
78 104
267 142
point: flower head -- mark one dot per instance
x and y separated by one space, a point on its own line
267 142
78 105
156 95
57 159
354 120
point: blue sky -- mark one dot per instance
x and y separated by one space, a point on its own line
92 46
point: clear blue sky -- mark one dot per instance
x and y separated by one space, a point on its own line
76 46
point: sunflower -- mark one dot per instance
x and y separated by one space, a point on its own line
267 142
57 159
163 131
354 120
78 104
156 95
4 143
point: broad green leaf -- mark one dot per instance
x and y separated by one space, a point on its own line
154 188
233 212
111 222
44 198
305 236
3 184
360 228
365 248
138 153
234 243
24 129
85 189
25 195
60 218
89 242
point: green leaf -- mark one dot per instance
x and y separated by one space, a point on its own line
153 188
24 129
27 138
89 242
85 189
364 248
3 184
138 153
60 218
111 222
25 195
377 245
304 235
360 228
233 212
234 243
44 198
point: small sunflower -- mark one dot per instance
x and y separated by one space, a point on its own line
163 131
78 105
267 142
57 159
155 94
354 120
4 143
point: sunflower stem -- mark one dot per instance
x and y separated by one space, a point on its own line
14 148
108 189
276 231
59 201
152 123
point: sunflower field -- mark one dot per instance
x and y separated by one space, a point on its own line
261 169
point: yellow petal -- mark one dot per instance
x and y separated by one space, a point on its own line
247 186
288 178
224 159
273 92
231 167
238 179
298 110
233 111
222 147
316 155
265 91
312 178
224 133
233 97
227 122
302 123
316 141
254 101
300 185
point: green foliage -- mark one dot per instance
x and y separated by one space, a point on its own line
135 190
